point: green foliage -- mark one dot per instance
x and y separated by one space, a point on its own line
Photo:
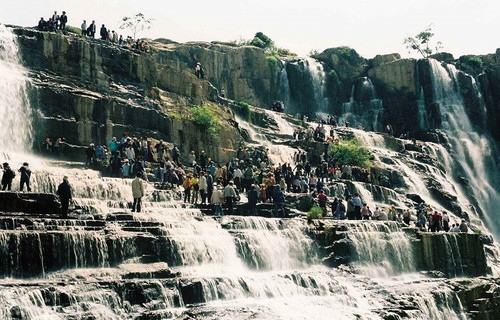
174 116
204 116
350 152
261 40
315 212
473 61
421 43
281 52
74 30
245 108
136 23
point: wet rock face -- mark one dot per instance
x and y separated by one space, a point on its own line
34 203
88 91
480 297
490 85
396 84
455 254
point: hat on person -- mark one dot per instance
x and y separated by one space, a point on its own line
231 182
5 164
65 178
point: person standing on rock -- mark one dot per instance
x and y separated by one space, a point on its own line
25 177
63 19
104 33
253 199
7 177
216 200
84 28
137 192
230 196
64 191
92 29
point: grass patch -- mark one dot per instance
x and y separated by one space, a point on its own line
245 109
74 30
206 117
314 213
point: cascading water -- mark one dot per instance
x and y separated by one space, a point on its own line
15 123
318 77
167 259
363 108
475 156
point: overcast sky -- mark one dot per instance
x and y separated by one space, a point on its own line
369 26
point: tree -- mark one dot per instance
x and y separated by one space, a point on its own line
262 41
421 43
136 23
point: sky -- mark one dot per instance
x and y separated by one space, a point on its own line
370 27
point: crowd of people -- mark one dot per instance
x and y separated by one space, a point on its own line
53 23
58 22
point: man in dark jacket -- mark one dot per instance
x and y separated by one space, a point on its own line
63 19
25 176
104 33
91 29
8 176
65 195
279 201
253 198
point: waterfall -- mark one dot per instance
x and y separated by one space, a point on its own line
363 108
15 124
475 155
318 77
285 87
172 261
382 249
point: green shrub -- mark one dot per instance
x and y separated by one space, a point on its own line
350 152
205 117
473 61
315 213
245 109
74 30
261 40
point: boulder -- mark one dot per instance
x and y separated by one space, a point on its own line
32 203
380 59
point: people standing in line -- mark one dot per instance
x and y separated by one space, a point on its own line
63 19
65 193
230 196
137 192
7 177
25 177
